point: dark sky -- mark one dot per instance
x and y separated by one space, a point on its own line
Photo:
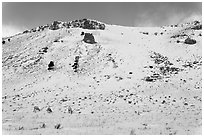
28 15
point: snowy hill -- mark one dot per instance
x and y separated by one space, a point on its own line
87 77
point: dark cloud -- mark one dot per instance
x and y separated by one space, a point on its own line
128 14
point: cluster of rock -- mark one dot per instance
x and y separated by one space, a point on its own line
40 28
197 25
76 64
193 64
164 68
82 23
3 41
178 36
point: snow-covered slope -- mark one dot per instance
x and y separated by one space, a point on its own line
131 80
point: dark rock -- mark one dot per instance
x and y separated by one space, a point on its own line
82 33
49 110
3 42
185 103
189 41
146 33
76 64
89 38
26 31
58 126
21 128
56 40
102 26
70 110
45 49
198 27
51 65
36 109
43 125
54 25
149 79
163 101
179 35
88 25
130 72
9 40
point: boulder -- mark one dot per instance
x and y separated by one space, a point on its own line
89 38
51 65
189 41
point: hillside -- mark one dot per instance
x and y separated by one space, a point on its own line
87 77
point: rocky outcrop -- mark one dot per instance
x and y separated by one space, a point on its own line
55 25
82 23
89 38
190 41
51 65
